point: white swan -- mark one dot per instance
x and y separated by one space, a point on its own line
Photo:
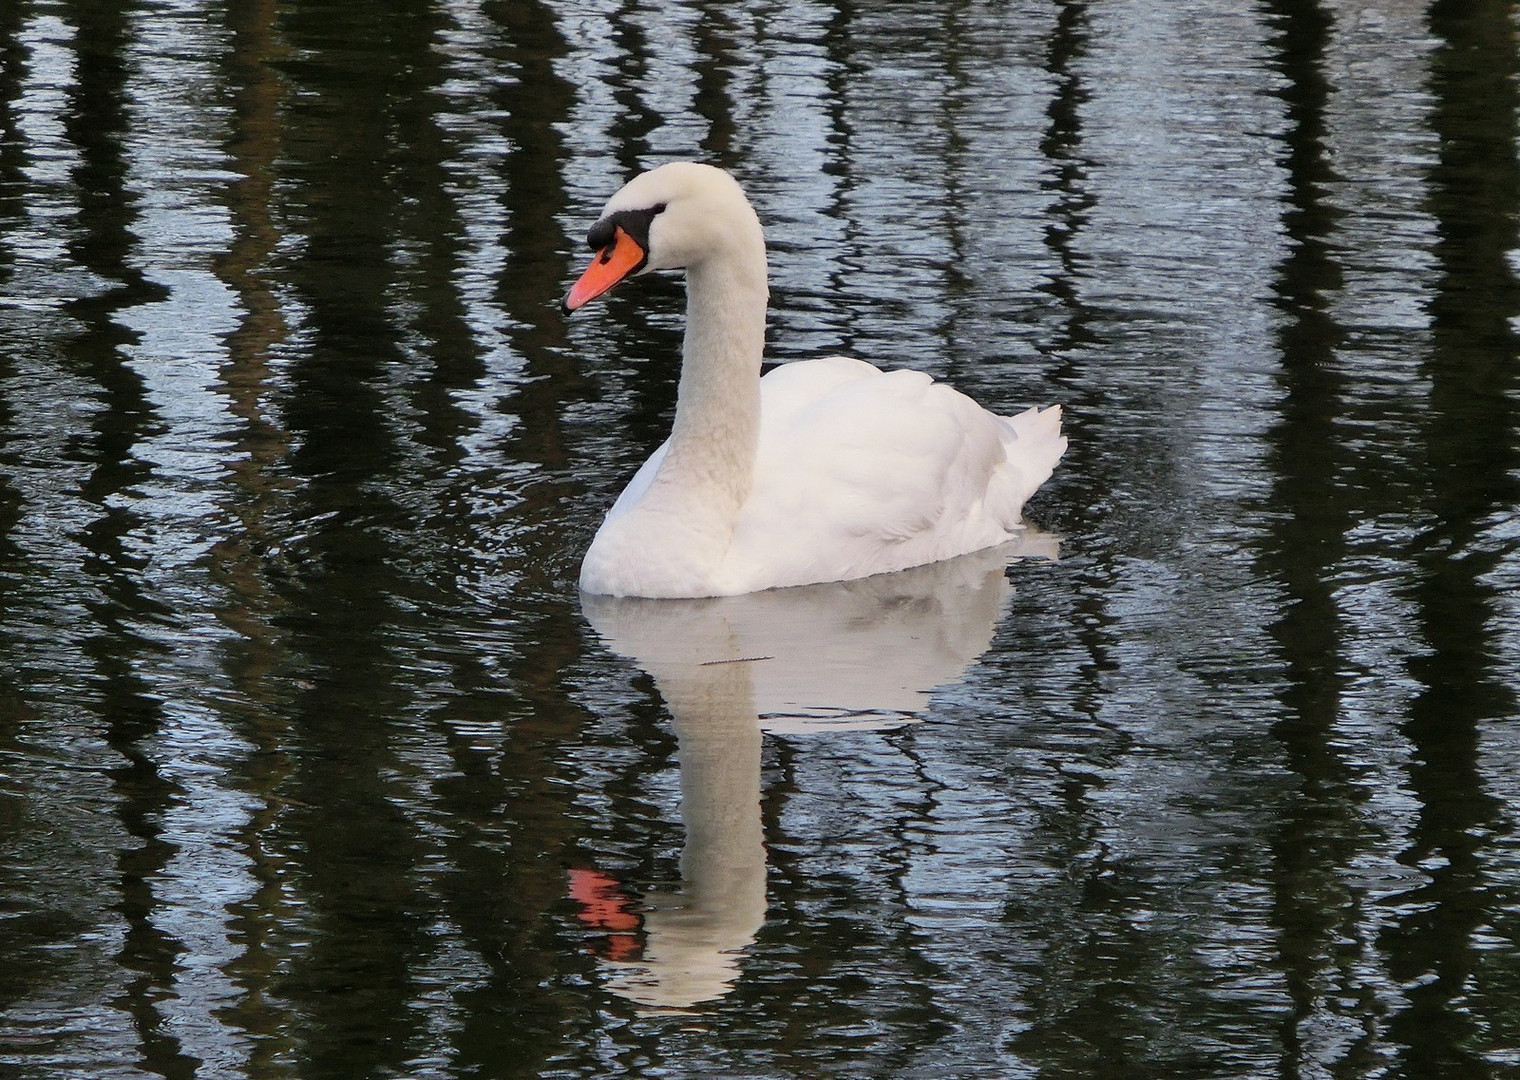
824 470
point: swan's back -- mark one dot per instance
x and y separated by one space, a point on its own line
861 471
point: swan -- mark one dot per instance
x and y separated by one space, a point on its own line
823 470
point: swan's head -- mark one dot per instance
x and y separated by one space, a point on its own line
670 218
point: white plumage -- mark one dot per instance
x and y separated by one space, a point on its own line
824 470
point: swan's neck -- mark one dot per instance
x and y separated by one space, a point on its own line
711 460
674 539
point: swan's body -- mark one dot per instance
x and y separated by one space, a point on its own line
824 470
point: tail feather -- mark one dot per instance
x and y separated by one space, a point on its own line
1035 445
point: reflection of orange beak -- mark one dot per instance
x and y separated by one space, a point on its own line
604 906
612 264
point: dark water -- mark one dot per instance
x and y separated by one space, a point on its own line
313 764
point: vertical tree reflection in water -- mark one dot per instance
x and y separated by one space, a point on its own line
1468 439
15 713
302 724
103 242
258 924
514 797
1462 970
1320 917
355 72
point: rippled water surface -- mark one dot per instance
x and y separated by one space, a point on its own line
313 762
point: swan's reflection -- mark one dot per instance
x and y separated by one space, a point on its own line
855 654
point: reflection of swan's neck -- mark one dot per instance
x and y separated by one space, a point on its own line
723 861
693 936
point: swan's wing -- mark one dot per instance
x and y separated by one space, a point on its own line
789 389
861 471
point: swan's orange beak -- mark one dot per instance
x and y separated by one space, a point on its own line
611 265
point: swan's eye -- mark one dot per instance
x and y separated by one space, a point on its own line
601 234
633 222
